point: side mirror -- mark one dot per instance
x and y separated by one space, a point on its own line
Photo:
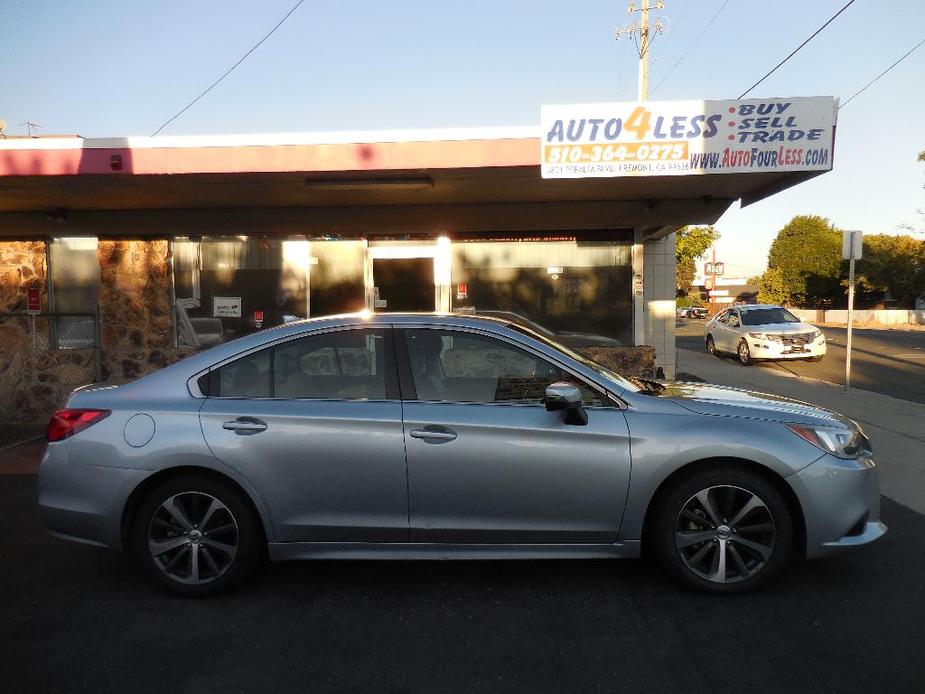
566 396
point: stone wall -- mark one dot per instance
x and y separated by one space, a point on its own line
626 361
135 312
33 380
22 266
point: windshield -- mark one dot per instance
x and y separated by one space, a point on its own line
767 316
615 378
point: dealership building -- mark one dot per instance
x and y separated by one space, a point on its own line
134 251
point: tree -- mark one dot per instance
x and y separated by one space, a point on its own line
771 287
807 253
893 265
690 244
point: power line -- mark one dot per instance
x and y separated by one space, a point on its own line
797 49
229 70
670 24
862 89
691 47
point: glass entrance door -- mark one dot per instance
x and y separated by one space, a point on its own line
403 284
408 276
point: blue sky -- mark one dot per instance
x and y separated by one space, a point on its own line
102 67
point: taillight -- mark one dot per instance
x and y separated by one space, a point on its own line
66 423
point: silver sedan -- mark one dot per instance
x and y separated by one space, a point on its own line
447 437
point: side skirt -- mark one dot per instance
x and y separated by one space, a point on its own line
284 551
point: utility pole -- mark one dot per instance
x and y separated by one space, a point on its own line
643 33
852 248
29 125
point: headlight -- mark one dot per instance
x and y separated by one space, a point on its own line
839 441
766 336
817 334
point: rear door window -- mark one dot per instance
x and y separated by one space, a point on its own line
338 365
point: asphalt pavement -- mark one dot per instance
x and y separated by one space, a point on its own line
79 619
891 362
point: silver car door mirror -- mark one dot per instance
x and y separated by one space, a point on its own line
566 396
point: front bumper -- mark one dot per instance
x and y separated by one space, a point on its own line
84 502
768 349
841 504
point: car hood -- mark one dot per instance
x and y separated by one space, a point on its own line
708 399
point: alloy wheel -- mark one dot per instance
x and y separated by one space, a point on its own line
725 534
193 538
711 346
744 355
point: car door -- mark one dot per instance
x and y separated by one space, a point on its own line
487 463
732 329
314 424
721 331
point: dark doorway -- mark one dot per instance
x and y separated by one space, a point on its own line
404 284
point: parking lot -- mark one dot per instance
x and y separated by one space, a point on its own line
76 618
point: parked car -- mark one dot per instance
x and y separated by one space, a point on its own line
433 437
760 332
692 312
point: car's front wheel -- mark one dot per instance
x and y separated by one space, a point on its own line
723 530
745 355
196 535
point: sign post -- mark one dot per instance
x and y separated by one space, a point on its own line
852 245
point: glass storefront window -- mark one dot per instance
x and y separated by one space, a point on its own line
75 278
575 292
226 287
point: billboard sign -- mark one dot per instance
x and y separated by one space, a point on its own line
680 138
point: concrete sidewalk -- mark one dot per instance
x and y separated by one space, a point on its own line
896 427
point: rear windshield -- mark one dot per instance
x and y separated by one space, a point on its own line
766 316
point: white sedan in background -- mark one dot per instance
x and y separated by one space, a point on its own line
763 332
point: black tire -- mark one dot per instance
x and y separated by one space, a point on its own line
744 355
816 358
727 485
232 524
711 346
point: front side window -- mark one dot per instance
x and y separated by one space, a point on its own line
453 366
733 319
339 365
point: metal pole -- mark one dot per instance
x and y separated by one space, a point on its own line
644 53
850 313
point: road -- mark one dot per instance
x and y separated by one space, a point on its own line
891 362
79 619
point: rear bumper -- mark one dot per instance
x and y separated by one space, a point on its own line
84 502
841 504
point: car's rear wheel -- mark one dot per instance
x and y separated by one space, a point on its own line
745 355
711 346
723 530
196 535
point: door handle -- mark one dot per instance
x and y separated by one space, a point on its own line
433 434
245 426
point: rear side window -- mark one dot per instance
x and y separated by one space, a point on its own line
339 365
343 365
247 377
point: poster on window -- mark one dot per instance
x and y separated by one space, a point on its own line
226 306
